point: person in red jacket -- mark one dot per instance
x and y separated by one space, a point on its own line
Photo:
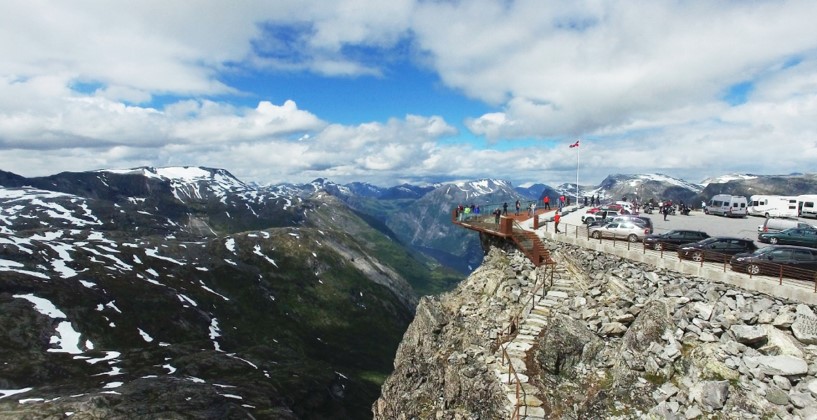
556 220
547 202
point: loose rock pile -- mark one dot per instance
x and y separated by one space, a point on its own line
679 347
631 341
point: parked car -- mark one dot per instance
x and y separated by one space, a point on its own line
717 248
775 225
642 221
794 236
619 230
790 261
673 239
588 217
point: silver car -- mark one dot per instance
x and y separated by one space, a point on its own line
619 230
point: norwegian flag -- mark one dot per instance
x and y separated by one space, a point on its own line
576 144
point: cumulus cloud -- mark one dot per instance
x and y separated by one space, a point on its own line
645 86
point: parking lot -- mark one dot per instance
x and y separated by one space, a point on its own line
697 220
576 232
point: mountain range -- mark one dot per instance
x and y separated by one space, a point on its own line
150 292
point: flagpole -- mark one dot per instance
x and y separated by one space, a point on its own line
577 175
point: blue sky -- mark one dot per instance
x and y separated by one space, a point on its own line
408 90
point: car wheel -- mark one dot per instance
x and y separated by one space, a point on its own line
659 246
753 269
697 256
773 241
632 238
596 235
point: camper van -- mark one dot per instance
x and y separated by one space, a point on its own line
772 206
727 205
807 205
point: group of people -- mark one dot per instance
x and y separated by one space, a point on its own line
463 212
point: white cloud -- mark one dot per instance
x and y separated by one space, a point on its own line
642 84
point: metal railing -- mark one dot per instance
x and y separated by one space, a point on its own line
513 328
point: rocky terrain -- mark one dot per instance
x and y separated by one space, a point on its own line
625 341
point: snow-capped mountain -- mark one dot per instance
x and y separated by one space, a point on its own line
185 292
722 179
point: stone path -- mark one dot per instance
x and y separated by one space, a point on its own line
529 328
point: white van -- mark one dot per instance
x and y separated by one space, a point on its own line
772 206
775 225
807 205
728 205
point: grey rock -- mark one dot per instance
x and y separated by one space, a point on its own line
693 412
778 365
777 396
711 395
749 335
801 399
782 382
784 319
702 310
805 326
612 329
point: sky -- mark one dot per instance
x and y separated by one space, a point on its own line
415 91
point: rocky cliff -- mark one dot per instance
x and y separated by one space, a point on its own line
610 339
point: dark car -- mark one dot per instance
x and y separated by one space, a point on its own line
673 239
719 248
642 221
793 236
775 260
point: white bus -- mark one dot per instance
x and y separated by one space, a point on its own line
727 205
773 206
807 205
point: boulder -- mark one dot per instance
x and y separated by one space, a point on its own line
777 396
805 325
702 310
779 343
711 395
778 365
784 319
749 334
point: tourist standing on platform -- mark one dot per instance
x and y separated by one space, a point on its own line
547 202
517 207
556 220
505 208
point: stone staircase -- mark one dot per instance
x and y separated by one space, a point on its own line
532 323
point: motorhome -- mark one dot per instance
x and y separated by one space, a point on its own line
807 205
772 206
727 205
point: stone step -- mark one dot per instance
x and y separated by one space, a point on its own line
511 379
524 338
547 303
513 345
540 311
526 412
526 400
